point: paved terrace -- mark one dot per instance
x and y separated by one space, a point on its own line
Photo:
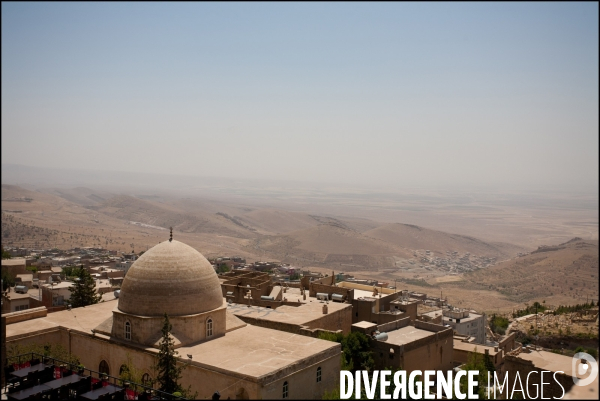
309 310
407 335
257 351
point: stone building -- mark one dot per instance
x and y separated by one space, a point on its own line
463 321
557 382
400 345
226 354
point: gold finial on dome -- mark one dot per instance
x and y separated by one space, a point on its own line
171 237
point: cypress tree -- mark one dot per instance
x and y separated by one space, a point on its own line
83 292
166 365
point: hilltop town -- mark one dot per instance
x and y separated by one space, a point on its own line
401 325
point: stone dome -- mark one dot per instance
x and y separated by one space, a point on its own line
171 277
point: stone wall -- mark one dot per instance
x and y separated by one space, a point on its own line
508 343
462 356
430 326
387 317
347 284
333 321
514 364
338 322
315 288
410 309
301 377
303 384
395 325
186 329
362 310
430 353
26 314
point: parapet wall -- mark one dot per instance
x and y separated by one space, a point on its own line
508 343
26 314
315 288
287 327
430 326
346 284
395 325
514 364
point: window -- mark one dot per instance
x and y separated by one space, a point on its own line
103 368
319 374
127 331
209 329
146 379
123 369
285 390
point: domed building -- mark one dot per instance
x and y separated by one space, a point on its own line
175 279
223 353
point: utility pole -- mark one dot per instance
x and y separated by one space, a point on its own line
536 325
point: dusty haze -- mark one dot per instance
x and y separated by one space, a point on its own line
494 95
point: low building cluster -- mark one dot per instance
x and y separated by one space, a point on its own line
251 330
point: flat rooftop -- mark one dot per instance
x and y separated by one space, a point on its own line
15 295
407 335
80 319
472 316
364 294
245 349
433 313
403 302
437 312
364 325
62 284
307 311
13 262
258 351
470 347
549 361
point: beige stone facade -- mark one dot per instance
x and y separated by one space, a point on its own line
424 346
237 359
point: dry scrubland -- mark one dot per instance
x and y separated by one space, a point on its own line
378 237
557 274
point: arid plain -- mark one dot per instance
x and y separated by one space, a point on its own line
367 233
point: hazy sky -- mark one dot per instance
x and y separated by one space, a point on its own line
387 93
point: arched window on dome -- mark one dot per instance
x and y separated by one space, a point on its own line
127 331
319 374
209 327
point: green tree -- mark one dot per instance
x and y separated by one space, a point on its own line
222 268
130 372
356 350
5 254
83 291
476 361
168 373
8 280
